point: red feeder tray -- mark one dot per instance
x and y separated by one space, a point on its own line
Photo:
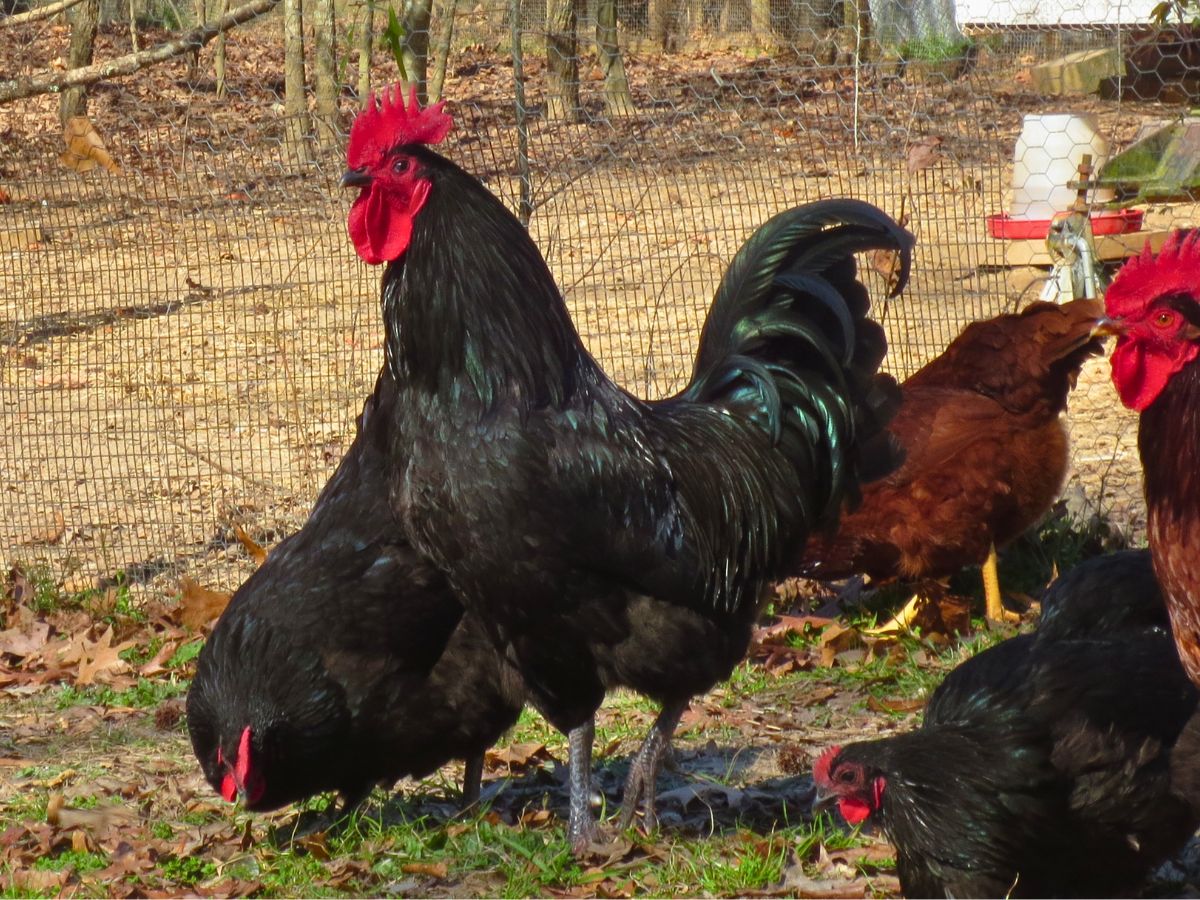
1119 221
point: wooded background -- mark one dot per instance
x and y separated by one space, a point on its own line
186 336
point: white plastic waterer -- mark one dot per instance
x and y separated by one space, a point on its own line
1047 160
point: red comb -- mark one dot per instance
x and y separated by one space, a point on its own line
241 768
823 764
1175 270
390 123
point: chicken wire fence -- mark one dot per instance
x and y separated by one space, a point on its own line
187 337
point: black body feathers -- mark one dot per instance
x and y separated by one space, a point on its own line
607 540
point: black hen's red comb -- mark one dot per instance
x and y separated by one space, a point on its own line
388 122
823 764
1175 270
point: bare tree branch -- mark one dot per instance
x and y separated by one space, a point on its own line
19 88
42 12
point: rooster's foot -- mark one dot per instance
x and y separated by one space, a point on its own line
642 782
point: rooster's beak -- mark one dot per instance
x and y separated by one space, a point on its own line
1109 328
356 178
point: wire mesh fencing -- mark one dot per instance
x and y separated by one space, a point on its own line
187 337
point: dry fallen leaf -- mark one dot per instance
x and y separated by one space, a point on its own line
24 641
97 820
101 659
85 149
49 531
923 154
198 605
517 756
255 549
433 870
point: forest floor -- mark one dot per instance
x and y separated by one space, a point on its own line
101 796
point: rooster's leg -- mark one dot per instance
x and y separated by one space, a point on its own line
472 777
642 782
581 824
993 602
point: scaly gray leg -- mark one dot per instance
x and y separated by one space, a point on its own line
472 777
581 824
642 781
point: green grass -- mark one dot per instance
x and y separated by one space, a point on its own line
188 870
148 692
82 863
935 48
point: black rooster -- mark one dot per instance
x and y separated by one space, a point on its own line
607 540
1047 766
345 661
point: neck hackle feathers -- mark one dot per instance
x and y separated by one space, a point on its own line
387 122
1175 270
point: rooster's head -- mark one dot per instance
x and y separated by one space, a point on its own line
855 787
383 161
1153 305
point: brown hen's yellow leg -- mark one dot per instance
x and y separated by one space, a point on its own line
993 602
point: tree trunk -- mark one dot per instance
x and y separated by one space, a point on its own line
133 35
760 17
525 203
84 19
193 64
562 60
219 52
617 100
442 52
666 23
325 77
366 39
416 43
295 104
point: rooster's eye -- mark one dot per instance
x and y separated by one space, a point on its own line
846 775
1164 320
400 166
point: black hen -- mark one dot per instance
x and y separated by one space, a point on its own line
345 661
606 540
1106 596
1046 766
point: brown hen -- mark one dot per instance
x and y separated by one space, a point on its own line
985 453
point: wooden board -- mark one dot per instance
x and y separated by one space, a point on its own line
1109 247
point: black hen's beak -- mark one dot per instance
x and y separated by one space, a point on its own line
356 178
822 800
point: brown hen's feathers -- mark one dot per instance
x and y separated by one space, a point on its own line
985 452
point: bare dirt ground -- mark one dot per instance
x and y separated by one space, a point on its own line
183 348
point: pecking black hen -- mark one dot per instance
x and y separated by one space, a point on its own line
607 540
1055 764
345 661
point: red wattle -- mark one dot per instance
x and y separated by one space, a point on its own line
1140 373
379 227
853 810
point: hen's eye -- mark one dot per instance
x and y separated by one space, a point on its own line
846 775
1164 319
400 166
